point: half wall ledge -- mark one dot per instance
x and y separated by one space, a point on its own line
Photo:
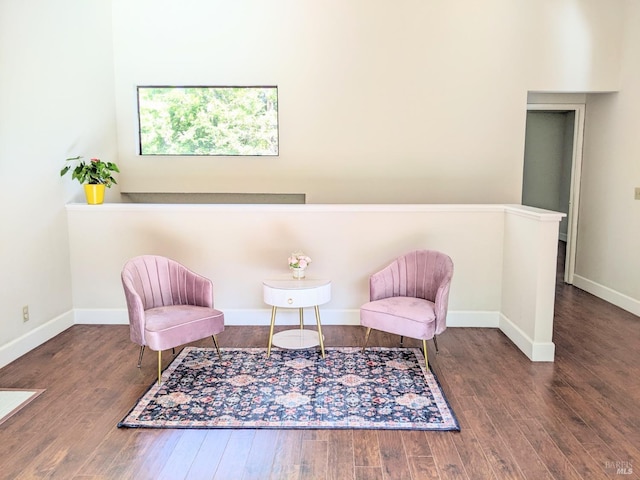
504 256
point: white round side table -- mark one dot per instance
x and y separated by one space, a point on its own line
296 293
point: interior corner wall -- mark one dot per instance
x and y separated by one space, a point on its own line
56 101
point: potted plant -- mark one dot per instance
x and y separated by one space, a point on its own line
95 175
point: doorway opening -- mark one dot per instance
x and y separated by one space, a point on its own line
552 168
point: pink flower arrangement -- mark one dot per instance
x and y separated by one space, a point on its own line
299 260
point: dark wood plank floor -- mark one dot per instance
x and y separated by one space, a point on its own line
576 418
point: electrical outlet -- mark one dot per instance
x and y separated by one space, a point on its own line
637 197
25 313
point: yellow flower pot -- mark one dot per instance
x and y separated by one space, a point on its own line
94 193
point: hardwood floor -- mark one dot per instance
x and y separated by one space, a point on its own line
576 418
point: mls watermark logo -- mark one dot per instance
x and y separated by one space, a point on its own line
620 468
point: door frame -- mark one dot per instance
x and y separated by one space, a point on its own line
576 174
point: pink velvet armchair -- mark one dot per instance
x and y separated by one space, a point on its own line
169 305
410 297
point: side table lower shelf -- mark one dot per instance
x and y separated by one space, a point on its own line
296 339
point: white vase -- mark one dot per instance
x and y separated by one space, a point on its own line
298 272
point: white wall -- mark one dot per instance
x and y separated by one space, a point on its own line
56 101
530 251
422 102
608 256
573 46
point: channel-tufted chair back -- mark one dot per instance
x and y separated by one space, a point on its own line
422 274
410 296
168 304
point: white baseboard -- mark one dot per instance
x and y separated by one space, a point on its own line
612 296
288 316
101 316
536 351
473 319
262 317
36 337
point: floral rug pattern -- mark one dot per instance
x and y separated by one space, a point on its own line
382 388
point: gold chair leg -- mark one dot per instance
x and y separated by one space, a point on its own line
301 319
319 330
215 342
366 338
435 342
426 360
273 320
140 356
159 367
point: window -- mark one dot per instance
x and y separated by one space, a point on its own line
208 120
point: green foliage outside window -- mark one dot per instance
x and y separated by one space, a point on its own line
208 120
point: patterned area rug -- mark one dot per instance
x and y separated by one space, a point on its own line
382 388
